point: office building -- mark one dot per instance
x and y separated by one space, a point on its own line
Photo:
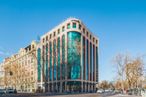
68 58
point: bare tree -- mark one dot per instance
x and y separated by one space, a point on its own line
134 71
129 71
120 62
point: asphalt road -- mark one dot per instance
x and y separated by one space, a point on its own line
46 95
75 95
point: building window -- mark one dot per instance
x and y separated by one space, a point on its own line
63 29
96 64
58 62
50 68
31 60
63 58
91 62
54 59
93 39
87 60
87 34
79 26
46 67
39 64
84 65
43 62
46 38
68 26
50 36
58 31
90 37
43 40
84 30
73 55
54 34
74 25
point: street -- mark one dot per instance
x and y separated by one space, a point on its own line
71 95
119 95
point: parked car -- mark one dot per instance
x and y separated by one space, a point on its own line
2 91
100 91
117 91
11 91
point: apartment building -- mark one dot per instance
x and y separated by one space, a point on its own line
20 69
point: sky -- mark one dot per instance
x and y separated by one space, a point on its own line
119 24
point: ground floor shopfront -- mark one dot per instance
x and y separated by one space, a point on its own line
69 86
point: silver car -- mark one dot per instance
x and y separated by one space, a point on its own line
2 91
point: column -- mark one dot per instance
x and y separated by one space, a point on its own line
48 87
65 86
60 87
85 87
82 86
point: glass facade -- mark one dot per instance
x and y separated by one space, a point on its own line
50 68
96 64
58 58
72 59
73 55
91 61
63 57
84 65
92 64
54 60
87 57
46 62
43 63
39 64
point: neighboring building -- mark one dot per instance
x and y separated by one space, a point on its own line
68 58
2 75
20 69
